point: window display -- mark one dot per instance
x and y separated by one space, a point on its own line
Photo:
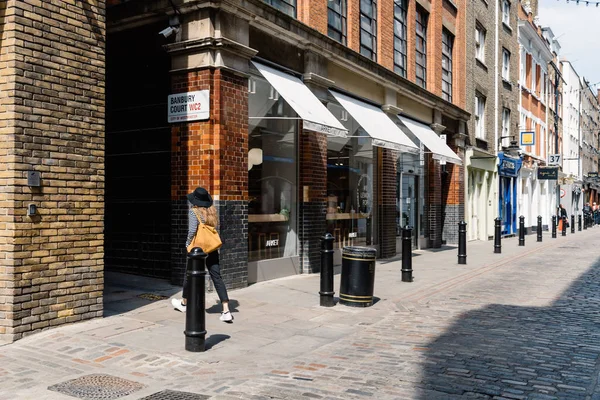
350 184
272 173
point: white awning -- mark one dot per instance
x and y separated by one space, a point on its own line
383 131
432 141
315 116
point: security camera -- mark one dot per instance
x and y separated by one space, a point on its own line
169 31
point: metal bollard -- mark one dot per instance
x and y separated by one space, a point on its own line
539 229
497 233
326 291
579 222
585 219
554 227
564 226
521 231
462 242
572 223
195 321
407 254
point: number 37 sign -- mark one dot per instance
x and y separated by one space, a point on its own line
554 159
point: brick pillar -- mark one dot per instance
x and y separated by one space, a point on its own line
51 122
213 154
453 198
313 184
387 211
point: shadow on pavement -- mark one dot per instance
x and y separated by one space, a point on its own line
125 292
505 351
214 340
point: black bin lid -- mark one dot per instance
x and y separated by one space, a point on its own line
366 253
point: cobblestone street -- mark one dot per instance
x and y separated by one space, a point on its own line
523 326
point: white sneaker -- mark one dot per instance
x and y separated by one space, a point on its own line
226 317
178 305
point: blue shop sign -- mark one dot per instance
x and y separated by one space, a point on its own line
508 166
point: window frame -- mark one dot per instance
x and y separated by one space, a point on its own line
401 69
423 24
506 64
505 125
343 15
480 34
277 4
447 51
364 50
479 116
506 12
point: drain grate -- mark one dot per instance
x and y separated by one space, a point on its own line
175 395
152 296
97 387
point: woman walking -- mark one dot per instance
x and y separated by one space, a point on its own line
203 211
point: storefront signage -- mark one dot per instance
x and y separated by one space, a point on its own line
189 106
272 243
353 234
508 166
592 174
547 173
527 138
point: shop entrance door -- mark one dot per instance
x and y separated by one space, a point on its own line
408 205
506 205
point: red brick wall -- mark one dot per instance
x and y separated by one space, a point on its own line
385 34
314 14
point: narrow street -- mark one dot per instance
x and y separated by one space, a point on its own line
521 325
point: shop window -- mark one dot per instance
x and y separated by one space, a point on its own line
350 184
400 36
421 47
272 173
336 20
286 6
447 45
368 29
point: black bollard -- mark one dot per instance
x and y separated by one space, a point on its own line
521 231
497 238
572 223
579 222
327 292
585 221
564 226
539 229
554 227
407 254
195 321
462 242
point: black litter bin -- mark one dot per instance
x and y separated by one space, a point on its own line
358 276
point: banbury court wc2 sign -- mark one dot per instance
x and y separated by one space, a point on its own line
189 106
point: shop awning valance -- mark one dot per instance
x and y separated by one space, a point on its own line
315 116
432 141
384 132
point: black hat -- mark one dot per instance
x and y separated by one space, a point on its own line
200 197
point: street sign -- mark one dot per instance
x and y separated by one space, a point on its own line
592 174
554 159
547 173
527 138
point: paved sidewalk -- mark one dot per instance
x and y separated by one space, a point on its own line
282 345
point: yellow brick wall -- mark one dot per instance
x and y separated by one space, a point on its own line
51 121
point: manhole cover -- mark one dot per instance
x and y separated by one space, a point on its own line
175 395
97 387
152 296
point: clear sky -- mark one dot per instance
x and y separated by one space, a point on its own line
577 28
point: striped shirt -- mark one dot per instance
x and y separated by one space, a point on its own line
192 227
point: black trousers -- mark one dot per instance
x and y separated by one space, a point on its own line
212 265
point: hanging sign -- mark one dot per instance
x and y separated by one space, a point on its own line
527 138
592 175
189 106
547 173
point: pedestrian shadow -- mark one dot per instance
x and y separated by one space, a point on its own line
217 308
507 351
214 340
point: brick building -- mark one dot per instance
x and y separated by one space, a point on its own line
298 120
52 155
492 92
590 126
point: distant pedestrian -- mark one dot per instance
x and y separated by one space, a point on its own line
562 214
201 207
